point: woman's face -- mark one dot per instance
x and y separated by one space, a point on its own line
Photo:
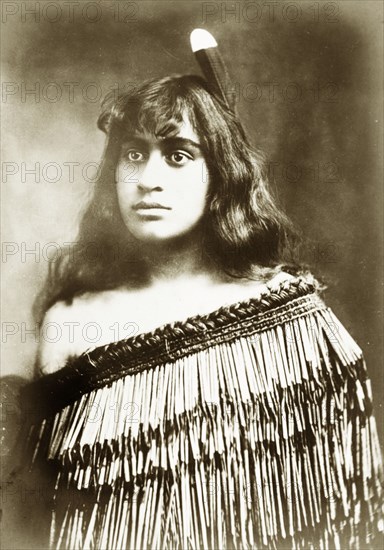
162 184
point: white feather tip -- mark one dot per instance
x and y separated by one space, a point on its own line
202 39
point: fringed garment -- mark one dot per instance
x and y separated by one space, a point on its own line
250 427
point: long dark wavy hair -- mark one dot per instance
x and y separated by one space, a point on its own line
244 232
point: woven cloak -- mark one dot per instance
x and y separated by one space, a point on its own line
250 427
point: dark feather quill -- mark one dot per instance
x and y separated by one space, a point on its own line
213 67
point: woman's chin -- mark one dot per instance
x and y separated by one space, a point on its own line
158 237
153 233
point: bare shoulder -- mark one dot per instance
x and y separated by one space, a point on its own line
90 320
62 330
54 347
281 277
274 280
245 289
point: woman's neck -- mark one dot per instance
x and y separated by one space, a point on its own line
177 261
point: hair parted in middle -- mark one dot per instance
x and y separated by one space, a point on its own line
243 230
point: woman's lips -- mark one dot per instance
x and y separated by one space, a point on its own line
150 206
150 210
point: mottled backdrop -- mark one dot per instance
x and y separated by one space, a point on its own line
309 80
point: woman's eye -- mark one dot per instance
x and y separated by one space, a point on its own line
133 155
179 158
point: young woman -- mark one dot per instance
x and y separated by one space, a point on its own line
181 221
238 414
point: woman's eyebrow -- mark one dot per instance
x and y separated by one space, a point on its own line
134 140
177 142
180 142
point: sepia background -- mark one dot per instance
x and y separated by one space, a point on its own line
309 82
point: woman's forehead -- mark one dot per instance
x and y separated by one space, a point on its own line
183 130
186 130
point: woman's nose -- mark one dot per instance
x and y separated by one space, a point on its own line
151 173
